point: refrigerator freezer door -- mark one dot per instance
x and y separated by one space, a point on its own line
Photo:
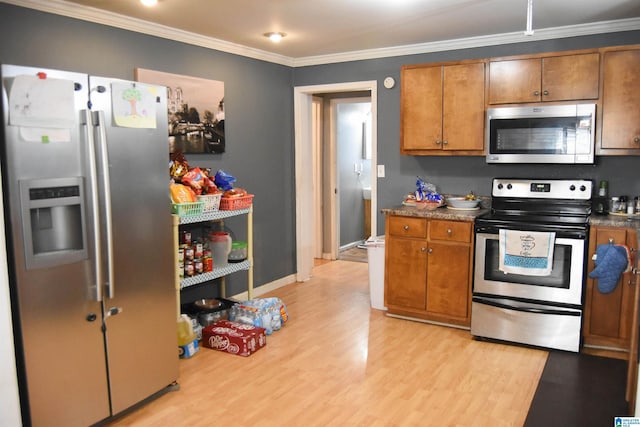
59 327
141 338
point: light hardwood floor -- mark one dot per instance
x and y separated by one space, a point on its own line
339 363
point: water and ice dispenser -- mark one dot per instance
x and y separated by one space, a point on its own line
53 222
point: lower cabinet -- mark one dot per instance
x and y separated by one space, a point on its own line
428 269
608 317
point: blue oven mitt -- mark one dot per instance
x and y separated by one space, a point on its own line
611 261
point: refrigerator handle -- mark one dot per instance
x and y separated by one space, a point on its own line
103 159
94 288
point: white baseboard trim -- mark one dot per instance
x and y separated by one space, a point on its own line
266 288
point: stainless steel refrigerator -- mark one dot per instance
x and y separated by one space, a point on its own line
85 185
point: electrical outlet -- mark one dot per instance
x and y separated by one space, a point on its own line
380 171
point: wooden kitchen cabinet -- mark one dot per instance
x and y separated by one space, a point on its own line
428 269
620 101
552 78
608 317
442 109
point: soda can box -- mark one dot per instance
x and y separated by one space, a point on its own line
233 337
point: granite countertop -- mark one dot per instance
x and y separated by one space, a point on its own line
442 212
470 215
615 220
439 213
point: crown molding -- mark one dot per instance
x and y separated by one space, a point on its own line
602 27
90 14
99 16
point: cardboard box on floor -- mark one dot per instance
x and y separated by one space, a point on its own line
233 337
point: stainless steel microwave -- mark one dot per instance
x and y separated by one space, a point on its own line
541 134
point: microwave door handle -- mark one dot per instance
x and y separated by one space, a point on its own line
528 309
103 159
94 288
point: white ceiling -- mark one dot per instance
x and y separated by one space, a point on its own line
323 31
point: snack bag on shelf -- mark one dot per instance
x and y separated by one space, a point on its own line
181 193
197 180
224 181
178 165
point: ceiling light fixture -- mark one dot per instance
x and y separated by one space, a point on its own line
149 2
529 30
275 36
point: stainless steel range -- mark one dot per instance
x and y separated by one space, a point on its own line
530 262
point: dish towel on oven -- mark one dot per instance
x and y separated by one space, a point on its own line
526 252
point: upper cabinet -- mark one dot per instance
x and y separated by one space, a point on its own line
620 102
442 105
442 109
552 78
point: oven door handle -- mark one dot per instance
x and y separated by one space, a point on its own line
527 309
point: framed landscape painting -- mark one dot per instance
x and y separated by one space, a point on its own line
195 111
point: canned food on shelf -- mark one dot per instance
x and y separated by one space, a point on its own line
189 268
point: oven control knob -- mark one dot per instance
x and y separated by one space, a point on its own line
572 188
500 186
509 186
583 188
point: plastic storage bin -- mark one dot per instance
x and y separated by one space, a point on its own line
375 258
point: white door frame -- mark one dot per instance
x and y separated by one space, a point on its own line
302 102
317 122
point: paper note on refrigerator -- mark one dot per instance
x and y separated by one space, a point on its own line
41 102
134 105
45 135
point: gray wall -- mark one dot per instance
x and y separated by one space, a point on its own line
259 107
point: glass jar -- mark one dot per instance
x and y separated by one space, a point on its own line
614 204
623 204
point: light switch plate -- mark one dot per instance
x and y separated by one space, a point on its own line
380 171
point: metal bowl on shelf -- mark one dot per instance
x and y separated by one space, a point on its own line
208 304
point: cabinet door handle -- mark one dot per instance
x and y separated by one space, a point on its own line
536 93
406 228
636 139
430 250
546 92
422 249
445 142
438 142
449 231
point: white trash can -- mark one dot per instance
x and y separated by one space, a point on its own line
375 258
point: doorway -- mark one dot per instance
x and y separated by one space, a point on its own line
306 203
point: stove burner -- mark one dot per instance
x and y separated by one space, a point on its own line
563 206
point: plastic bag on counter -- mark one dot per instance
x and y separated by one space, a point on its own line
268 313
426 191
